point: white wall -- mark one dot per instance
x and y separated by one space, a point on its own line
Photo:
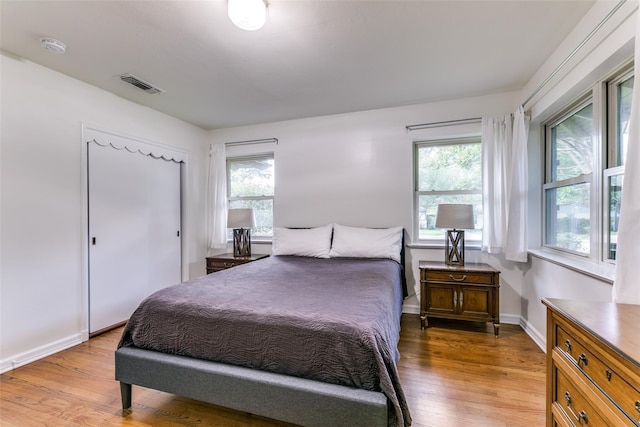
609 48
357 169
41 267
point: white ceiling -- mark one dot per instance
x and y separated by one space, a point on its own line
312 58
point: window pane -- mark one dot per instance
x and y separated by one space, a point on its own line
427 215
568 217
615 197
263 212
251 177
625 93
572 146
449 167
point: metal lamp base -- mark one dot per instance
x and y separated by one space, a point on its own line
454 247
241 242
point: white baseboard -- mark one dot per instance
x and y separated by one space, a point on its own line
411 308
22 359
534 334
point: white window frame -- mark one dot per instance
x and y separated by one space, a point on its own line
603 96
590 178
439 241
230 199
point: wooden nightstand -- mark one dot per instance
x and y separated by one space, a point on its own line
224 261
469 292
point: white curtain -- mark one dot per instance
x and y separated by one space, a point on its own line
496 156
516 244
626 287
217 200
504 185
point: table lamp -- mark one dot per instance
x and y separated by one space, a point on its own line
241 220
456 218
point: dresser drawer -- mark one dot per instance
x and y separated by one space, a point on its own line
459 277
603 374
575 406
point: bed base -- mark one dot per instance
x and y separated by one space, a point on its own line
282 397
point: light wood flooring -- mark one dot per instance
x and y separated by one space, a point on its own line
453 374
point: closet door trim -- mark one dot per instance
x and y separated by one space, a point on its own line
102 136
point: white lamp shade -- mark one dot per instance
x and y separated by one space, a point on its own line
454 216
241 218
248 15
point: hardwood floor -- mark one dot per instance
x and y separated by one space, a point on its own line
453 374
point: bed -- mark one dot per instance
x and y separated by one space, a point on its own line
310 340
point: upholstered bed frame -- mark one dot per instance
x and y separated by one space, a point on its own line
282 397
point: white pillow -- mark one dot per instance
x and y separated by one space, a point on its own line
356 242
311 242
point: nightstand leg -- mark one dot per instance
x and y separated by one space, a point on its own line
496 329
423 321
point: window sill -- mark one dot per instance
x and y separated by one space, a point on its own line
604 272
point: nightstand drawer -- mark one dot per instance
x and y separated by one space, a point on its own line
459 277
224 261
221 264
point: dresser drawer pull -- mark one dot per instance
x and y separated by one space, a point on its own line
608 374
582 360
581 417
567 344
464 277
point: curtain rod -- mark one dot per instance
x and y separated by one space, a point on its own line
443 123
253 141
539 88
574 51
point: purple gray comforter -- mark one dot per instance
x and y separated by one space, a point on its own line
332 320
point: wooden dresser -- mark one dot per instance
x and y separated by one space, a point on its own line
468 292
593 364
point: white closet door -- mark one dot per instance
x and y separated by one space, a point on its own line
134 224
164 225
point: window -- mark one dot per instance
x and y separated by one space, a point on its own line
446 171
619 94
569 173
250 184
585 148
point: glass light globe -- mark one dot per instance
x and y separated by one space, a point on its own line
249 15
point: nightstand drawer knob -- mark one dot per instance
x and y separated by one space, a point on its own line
567 344
228 264
464 277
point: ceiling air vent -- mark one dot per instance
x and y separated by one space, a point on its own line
140 84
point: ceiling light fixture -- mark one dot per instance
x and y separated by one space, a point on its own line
248 15
53 45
